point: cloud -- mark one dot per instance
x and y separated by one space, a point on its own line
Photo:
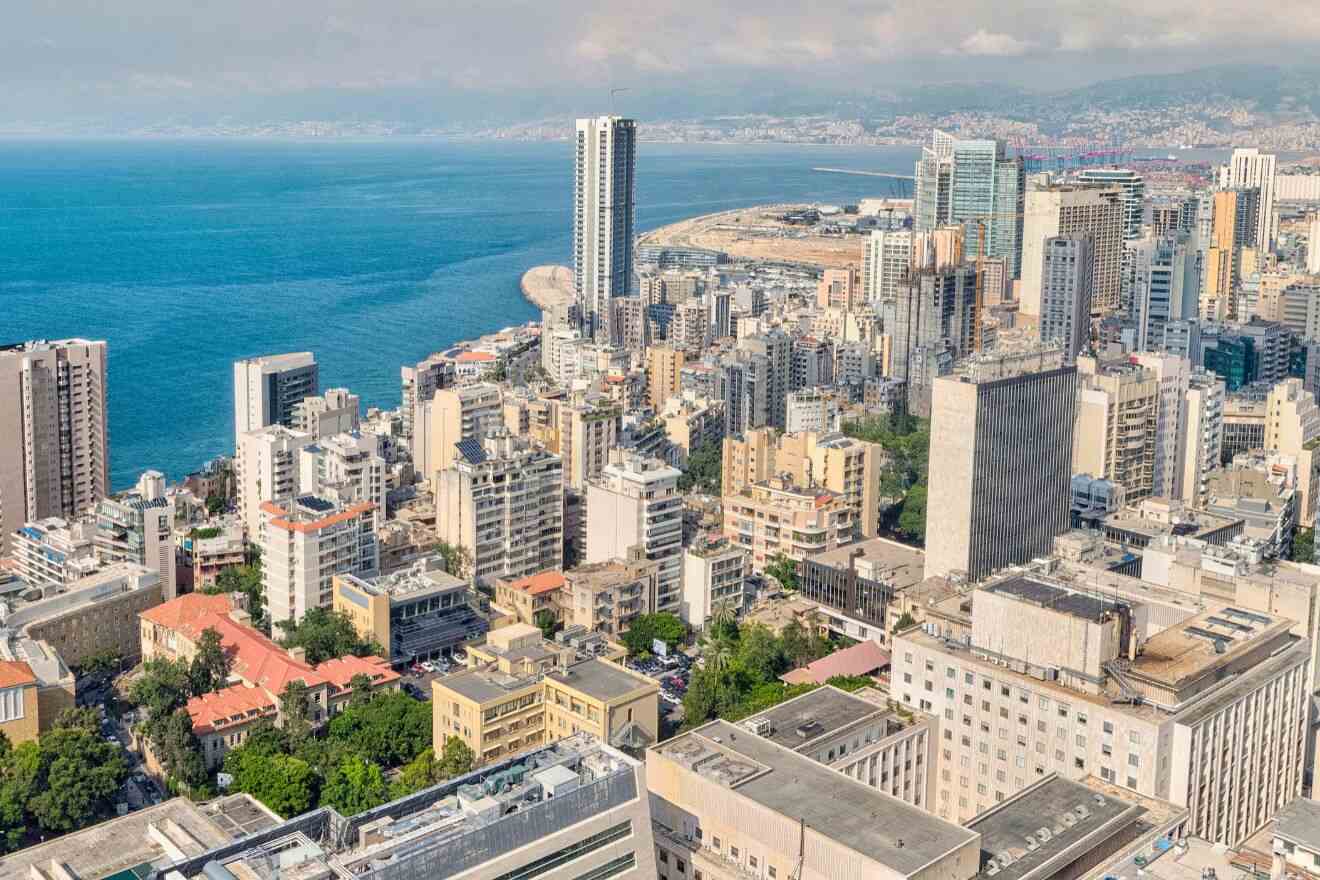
1001 45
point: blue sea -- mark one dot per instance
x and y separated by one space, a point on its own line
185 255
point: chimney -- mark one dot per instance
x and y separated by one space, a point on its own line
298 654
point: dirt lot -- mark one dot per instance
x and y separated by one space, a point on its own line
796 245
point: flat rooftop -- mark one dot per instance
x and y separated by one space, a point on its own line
239 815
1191 647
896 564
484 685
798 722
1035 592
883 828
1299 823
601 679
1047 825
409 583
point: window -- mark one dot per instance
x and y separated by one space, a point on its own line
664 857
1134 760
1107 727
751 861
950 672
682 868
715 842
948 693
907 678
1132 782
11 704
770 869
599 840
614 868
1003 690
733 851
1081 718
1134 738
968 678
1063 711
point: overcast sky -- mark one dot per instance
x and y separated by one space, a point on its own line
78 56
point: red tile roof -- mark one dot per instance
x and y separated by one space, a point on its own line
312 525
863 658
187 608
541 582
340 671
237 704
14 673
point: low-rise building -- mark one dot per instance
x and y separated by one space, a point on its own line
53 552
212 555
858 585
606 597
531 598
714 578
1296 839
34 705
776 517
18 702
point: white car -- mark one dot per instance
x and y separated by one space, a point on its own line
428 666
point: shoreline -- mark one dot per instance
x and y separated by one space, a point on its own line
547 286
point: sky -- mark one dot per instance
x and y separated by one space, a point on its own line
71 57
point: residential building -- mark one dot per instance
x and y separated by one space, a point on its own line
468 412
776 347
1313 245
1233 234
210 556
51 553
267 470
664 368
933 307
636 504
811 409
1202 436
1165 289
1069 210
1295 843
54 448
1066 289
858 586
1134 194
336 412
1083 683
812 364
885 262
714 577
304 543
1002 434
776 517
267 390
840 289
420 613
348 464
588 430
1118 409
139 529
1292 427
18 702
692 422
603 219
419 383
533 598
1248 167
606 597
731 804
1173 379
743 384
502 500
1259 491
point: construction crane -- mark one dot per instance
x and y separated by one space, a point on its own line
979 308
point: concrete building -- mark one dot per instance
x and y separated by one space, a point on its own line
139 529
932 308
731 804
420 613
267 390
778 517
1250 168
885 262
50 554
743 384
502 500
418 384
1002 434
1173 379
1292 426
1066 289
858 586
811 410
1053 679
776 348
692 422
636 504
714 578
1118 408
338 411
1202 436
349 465
305 542
1296 839
1068 209
533 598
663 370
267 470
603 218
1166 290
576 809
468 412
840 289
54 447
95 617
588 430
210 556
1232 245
606 597
1134 194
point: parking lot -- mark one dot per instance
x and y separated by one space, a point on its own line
417 677
671 673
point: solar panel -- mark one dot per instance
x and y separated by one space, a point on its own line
471 450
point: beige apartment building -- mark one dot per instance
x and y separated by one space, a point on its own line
636 504
1292 427
606 597
776 516
532 597
691 422
1072 210
1209 712
54 447
468 412
1118 408
267 466
664 367
308 541
588 428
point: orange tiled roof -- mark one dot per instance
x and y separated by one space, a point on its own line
541 582
186 608
470 356
313 525
232 705
340 671
14 673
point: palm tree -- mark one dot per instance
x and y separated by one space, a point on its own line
723 614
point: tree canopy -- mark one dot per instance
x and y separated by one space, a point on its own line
245 579
646 628
704 469
906 442
210 665
325 634
784 570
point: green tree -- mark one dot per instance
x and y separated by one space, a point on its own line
355 785
417 774
912 516
359 687
77 776
79 718
545 621
1303 545
296 709
784 570
905 621
286 784
850 683
646 628
325 635
210 666
458 561
760 653
704 470
455 760
177 748
215 504
163 686
724 620
390 730
266 739
245 579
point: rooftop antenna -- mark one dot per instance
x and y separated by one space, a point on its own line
614 92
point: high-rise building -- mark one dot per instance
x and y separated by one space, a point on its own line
776 347
1292 424
348 464
1234 227
338 411
1068 209
1172 376
266 468
840 289
603 218
467 412
502 500
743 384
420 382
932 307
588 430
1202 437
54 448
1250 168
778 516
1002 436
1313 245
1134 195
664 368
971 182
1066 288
268 389
1165 288
305 542
1118 405
636 504
721 315
885 262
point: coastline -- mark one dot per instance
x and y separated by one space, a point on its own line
547 286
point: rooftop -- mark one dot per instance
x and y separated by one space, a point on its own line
422 577
883 828
896 564
1081 605
541 582
1191 647
1299 823
484 685
1046 826
862 658
796 723
602 680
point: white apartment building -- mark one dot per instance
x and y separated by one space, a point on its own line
52 553
714 575
338 411
418 384
305 542
266 469
1202 436
1209 712
603 218
1292 424
139 528
811 409
54 449
468 412
348 463
268 389
635 503
1249 167
885 262
502 500
1118 404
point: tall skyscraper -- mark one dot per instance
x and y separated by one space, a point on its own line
1068 209
1250 168
1001 432
933 307
1065 293
1134 195
603 218
1313 245
1233 230
1165 287
267 390
965 181
885 262
54 450
776 347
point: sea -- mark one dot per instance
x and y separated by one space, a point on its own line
185 255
